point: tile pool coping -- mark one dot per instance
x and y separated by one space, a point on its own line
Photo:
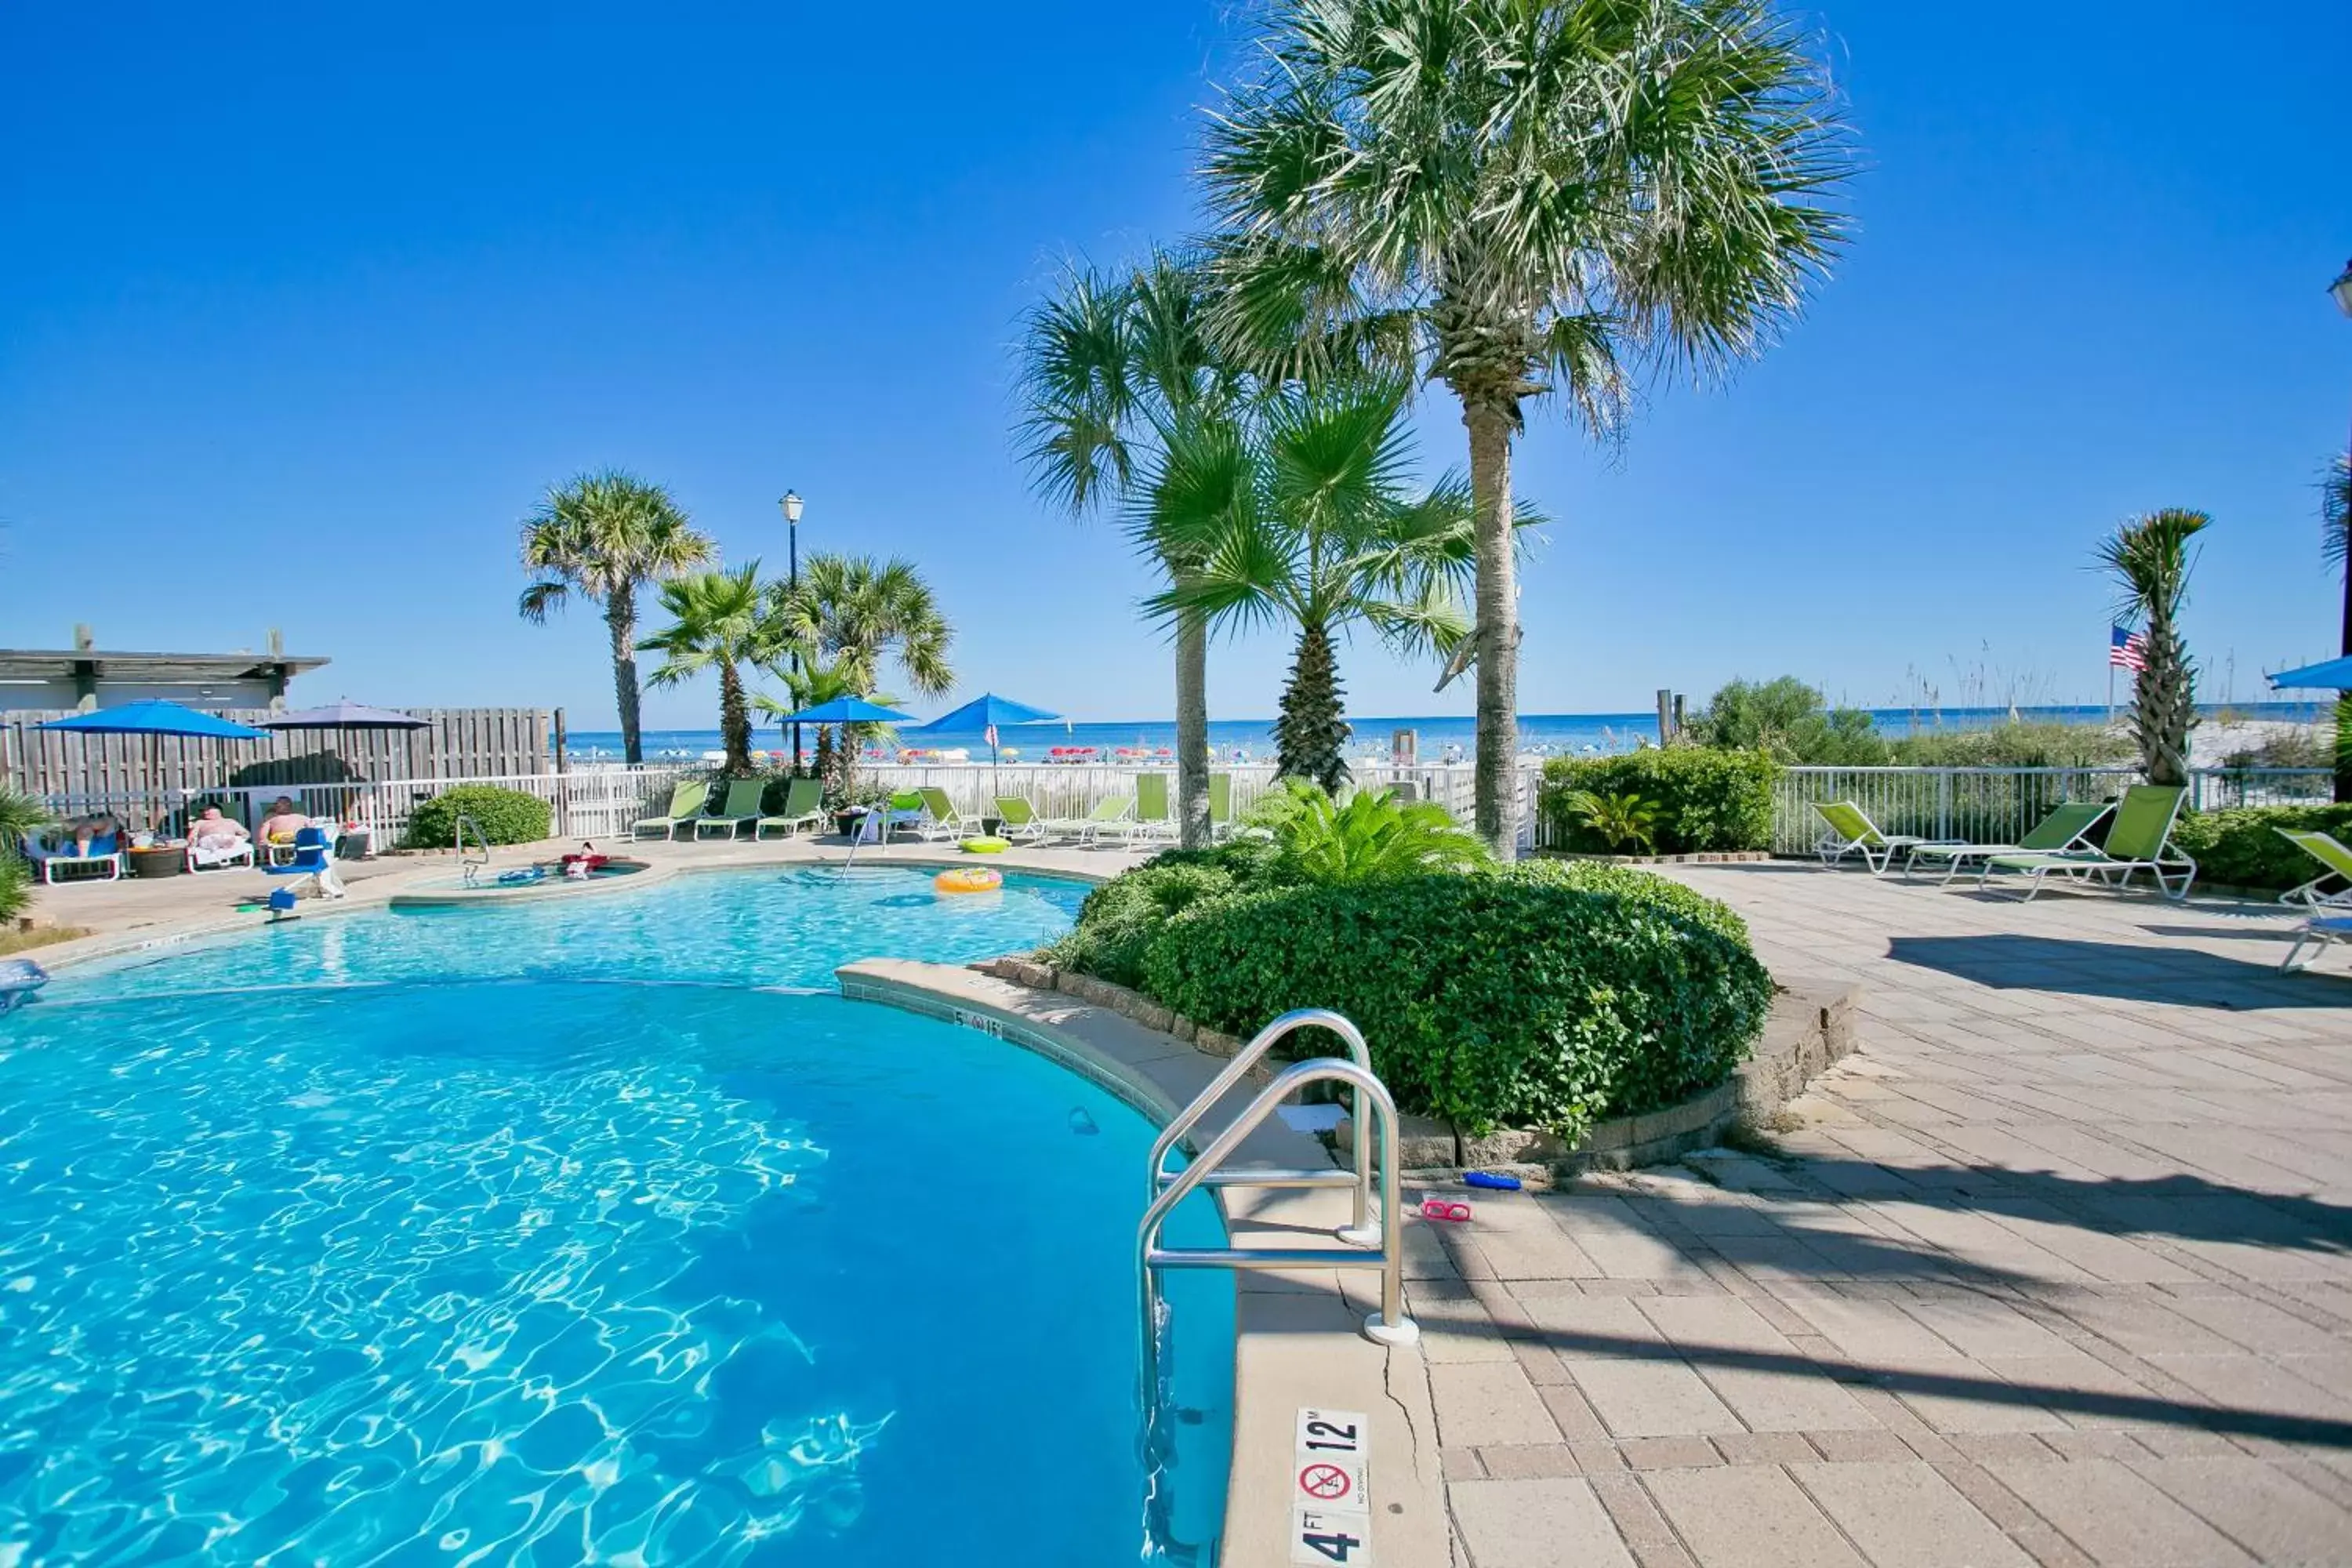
1296 1339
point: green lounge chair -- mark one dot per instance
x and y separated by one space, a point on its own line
1018 822
685 802
804 807
1850 831
1221 806
2325 849
2055 833
940 818
742 809
2139 840
1153 816
1109 816
2317 933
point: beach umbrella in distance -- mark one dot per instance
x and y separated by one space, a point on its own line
345 715
156 720
984 713
2333 674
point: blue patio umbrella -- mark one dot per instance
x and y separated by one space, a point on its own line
846 710
2333 674
984 713
156 720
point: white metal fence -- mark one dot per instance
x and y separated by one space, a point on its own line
1995 806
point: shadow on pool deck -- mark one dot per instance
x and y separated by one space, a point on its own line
2180 976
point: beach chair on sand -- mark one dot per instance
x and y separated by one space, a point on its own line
685 802
2325 849
2139 840
2055 833
740 810
1018 822
1850 831
804 807
940 819
1154 818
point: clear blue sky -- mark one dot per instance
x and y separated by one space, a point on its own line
329 294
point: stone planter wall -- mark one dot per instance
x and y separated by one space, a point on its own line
1812 1025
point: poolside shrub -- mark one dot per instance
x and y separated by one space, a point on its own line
1120 919
1706 800
15 887
2240 848
1544 999
504 816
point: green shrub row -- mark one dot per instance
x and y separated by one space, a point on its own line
504 816
1707 801
2240 848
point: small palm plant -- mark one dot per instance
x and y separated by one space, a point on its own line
2151 558
1371 837
1625 822
20 814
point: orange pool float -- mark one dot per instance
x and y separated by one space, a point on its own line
968 879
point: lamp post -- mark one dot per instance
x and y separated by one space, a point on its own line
2342 290
791 505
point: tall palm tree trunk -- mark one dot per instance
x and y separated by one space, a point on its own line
1193 729
734 719
1496 779
621 619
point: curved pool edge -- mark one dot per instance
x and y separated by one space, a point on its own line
1296 1339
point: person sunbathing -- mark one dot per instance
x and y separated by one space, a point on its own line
215 833
97 835
283 822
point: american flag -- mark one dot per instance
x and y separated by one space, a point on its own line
2127 647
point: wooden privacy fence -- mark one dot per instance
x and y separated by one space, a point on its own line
457 742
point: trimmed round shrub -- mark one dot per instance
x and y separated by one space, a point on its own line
504 816
1513 999
2240 848
1602 876
1120 917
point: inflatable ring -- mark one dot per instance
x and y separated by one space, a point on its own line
974 880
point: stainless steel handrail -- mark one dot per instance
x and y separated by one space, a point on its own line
469 868
1388 1326
1360 1231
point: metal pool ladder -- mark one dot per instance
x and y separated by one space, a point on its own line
1369 1243
467 867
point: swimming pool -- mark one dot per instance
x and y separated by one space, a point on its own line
477 1236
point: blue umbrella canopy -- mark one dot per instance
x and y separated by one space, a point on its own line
986 712
846 710
156 719
2336 674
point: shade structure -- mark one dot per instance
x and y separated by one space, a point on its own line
345 715
846 710
156 718
984 713
2331 674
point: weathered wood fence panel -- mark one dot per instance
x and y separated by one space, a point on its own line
457 742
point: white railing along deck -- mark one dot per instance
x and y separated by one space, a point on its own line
1997 805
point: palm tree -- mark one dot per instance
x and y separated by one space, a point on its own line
1512 197
811 685
1110 368
719 622
1301 516
852 612
605 535
2336 535
2150 558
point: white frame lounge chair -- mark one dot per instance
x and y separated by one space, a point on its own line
2139 839
2055 833
2326 850
1110 815
731 815
49 858
940 819
1155 810
686 799
2315 934
804 807
1857 835
1017 821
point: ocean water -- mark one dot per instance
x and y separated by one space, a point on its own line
1545 733
538 1236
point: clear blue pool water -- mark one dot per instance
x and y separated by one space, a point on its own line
450 1237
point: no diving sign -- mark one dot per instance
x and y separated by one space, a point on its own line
1330 1504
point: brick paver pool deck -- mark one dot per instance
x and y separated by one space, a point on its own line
2059 1270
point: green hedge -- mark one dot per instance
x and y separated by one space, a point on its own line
2240 848
1707 800
1545 1000
504 816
